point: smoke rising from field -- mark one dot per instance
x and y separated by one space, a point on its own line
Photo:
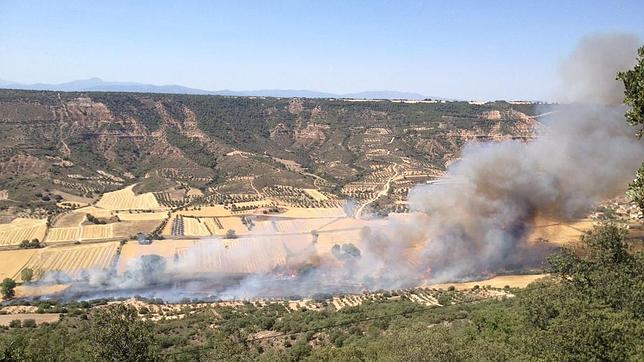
475 220
583 154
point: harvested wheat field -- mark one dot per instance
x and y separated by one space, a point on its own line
22 229
126 199
12 261
194 227
93 232
63 234
73 259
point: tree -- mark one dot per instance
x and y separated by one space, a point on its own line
26 275
8 288
636 188
231 234
634 92
634 97
117 334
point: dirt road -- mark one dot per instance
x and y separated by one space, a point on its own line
382 192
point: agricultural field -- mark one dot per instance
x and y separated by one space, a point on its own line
22 229
69 219
126 199
194 227
13 261
63 234
215 256
126 229
71 260
93 232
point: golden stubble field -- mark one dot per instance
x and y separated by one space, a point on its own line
126 199
22 229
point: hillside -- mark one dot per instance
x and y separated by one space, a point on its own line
84 144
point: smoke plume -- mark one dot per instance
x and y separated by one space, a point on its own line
584 153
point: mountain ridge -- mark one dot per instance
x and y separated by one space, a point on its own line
99 85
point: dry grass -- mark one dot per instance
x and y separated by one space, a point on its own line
126 199
22 229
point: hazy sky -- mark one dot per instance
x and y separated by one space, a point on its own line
468 49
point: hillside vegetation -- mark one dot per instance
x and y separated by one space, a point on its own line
86 144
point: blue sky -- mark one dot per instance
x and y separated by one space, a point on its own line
458 49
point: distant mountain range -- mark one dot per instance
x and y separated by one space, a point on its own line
99 85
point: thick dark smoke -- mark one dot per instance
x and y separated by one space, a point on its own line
475 221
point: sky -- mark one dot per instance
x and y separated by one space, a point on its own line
479 50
